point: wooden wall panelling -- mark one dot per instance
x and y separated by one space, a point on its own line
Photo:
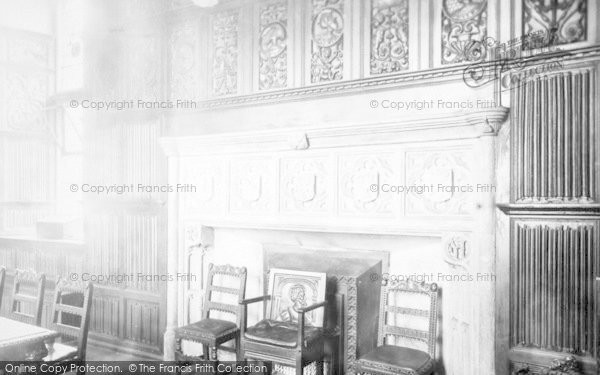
554 221
555 146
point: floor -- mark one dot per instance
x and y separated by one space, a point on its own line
97 353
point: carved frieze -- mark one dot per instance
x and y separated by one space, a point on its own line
442 183
553 22
183 61
464 27
389 36
327 41
273 46
225 40
305 185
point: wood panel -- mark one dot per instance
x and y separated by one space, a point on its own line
555 139
552 299
554 215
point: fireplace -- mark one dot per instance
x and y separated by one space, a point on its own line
258 193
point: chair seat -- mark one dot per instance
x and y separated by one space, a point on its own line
283 334
398 360
61 352
207 329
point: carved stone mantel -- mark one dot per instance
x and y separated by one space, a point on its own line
318 179
426 127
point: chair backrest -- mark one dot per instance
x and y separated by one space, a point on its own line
2 278
291 290
71 312
226 288
28 297
409 316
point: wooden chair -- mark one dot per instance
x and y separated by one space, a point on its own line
71 318
28 297
2 278
402 349
284 341
211 332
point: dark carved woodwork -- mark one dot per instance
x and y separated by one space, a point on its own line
403 348
350 286
27 297
555 224
211 332
284 341
554 140
71 318
552 271
553 22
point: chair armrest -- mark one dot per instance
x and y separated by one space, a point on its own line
255 299
244 311
302 312
312 307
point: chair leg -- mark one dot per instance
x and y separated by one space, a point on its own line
213 353
178 351
205 354
299 365
238 350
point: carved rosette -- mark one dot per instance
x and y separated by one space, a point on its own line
464 27
225 52
273 42
554 22
389 36
327 46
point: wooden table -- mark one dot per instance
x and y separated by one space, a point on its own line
20 341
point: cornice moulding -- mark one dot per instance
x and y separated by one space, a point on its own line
396 81
430 127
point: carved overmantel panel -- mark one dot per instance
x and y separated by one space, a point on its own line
401 178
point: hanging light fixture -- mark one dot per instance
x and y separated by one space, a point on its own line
205 3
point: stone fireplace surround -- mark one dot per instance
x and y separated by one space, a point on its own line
310 187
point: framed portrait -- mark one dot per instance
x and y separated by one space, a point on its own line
293 290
